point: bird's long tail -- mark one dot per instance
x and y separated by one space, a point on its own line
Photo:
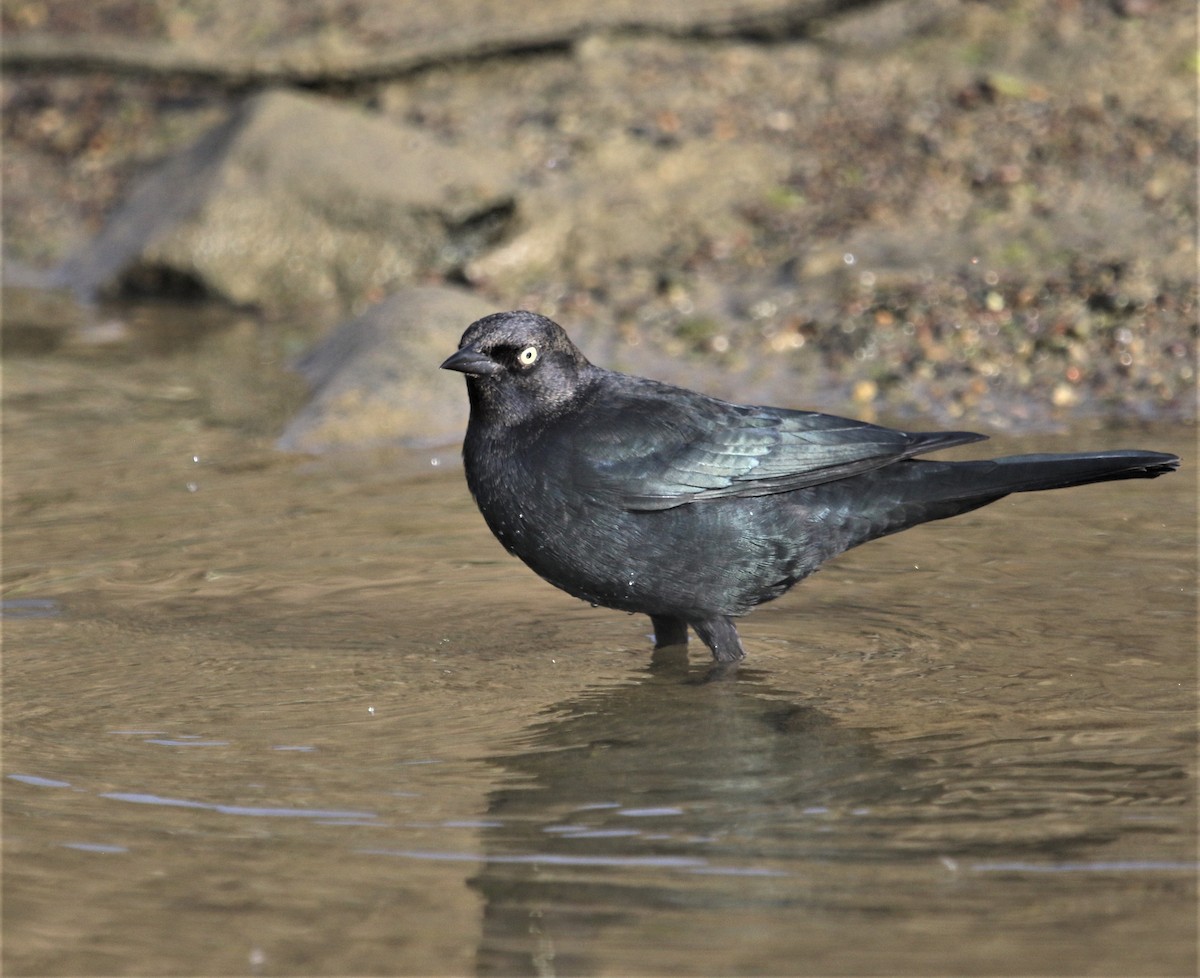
920 490
1031 473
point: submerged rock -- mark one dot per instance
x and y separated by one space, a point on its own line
375 380
295 202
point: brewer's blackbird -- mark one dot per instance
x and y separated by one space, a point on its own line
637 495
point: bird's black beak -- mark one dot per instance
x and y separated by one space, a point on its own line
471 362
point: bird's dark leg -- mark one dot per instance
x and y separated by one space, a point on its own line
669 632
720 635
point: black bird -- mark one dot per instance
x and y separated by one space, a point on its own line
637 495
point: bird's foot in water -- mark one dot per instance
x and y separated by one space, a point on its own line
721 637
718 633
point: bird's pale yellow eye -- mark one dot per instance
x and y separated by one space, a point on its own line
528 356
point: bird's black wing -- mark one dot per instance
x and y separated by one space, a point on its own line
653 446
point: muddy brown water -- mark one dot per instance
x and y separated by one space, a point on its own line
267 714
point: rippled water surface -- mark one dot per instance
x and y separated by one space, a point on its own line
266 714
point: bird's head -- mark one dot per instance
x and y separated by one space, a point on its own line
519 365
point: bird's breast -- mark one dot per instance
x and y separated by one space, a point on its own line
578 541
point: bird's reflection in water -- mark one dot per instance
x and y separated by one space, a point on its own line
669 791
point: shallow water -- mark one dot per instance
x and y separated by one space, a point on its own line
266 714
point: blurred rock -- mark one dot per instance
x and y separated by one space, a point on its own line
375 379
299 202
